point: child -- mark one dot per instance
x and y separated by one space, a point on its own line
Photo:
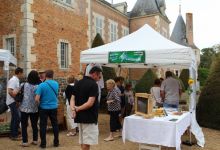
155 91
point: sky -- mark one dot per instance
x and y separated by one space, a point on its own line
206 22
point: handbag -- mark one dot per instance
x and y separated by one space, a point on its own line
20 95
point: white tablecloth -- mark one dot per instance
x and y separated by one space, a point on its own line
158 130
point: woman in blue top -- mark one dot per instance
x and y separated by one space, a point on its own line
29 107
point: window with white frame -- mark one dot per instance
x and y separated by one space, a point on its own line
125 31
10 45
64 51
99 25
113 31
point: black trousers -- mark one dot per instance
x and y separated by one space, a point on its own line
24 124
52 114
114 121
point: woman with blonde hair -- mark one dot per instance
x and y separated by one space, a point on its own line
114 108
68 93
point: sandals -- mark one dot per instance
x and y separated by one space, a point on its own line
71 134
117 136
109 139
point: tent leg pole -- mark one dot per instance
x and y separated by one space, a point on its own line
190 136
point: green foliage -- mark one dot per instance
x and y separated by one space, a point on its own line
108 73
184 77
207 56
208 108
203 75
146 82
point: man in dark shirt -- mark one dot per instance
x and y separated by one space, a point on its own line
84 105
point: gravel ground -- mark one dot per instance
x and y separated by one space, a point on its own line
212 138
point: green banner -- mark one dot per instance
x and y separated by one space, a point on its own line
126 57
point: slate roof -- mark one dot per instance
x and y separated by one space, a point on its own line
179 32
146 7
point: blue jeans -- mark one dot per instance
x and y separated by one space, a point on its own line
24 124
15 120
170 105
52 114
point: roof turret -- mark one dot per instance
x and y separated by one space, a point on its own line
179 32
146 7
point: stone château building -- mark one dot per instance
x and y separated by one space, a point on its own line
45 34
50 34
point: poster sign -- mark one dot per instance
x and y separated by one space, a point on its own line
126 57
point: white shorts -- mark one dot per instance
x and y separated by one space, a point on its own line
88 133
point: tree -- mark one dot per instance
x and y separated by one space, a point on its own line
207 56
146 82
203 75
184 77
208 108
216 47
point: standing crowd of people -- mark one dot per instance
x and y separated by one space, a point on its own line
40 100
167 92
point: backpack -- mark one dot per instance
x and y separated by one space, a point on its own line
19 97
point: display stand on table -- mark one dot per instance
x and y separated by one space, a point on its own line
144 105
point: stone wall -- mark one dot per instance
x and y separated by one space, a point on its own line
55 22
10 16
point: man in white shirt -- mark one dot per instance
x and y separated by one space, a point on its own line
171 91
13 89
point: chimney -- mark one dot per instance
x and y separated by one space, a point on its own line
189 28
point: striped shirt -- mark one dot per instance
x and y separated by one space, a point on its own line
115 96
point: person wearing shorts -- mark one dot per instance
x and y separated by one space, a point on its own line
84 106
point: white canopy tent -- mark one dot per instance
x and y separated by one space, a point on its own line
7 58
159 52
